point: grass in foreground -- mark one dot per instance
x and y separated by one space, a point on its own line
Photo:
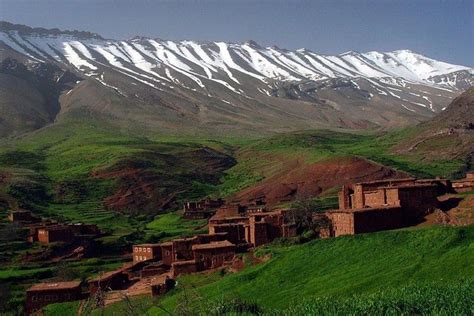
323 271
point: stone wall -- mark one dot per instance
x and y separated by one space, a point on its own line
377 219
342 223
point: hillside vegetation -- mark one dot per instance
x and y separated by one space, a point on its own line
86 173
414 264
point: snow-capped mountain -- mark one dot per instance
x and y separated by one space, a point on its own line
374 87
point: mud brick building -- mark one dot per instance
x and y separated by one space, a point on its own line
23 217
214 254
42 294
205 256
185 255
85 229
231 210
33 229
365 220
184 267
254 229
167 253
145 252
113 280
235 231
464 185
173 251
55 233
48 232
153 269
386 204
201 209
410 194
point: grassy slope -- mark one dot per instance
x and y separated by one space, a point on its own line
262 158
337 268
60 157
66 155
174 225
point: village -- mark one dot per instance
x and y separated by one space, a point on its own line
234 229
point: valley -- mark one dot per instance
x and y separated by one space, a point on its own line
135 138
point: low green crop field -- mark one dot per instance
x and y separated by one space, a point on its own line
175 226
415 267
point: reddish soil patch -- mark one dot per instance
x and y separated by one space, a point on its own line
155 181
136 190
459 213
301 179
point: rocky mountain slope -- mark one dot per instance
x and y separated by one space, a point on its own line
188 86
449 135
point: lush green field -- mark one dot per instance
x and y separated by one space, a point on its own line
410 266
174 225
53 169
53 172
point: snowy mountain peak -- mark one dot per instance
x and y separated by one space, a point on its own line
252 43
39 31
222 85
244 69
84 50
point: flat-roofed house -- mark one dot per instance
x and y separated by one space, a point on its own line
42 294
214 254
145 252
365 220
55 233
385 204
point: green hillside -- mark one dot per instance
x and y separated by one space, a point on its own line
79 172
405 266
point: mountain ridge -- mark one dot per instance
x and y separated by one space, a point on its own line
238 87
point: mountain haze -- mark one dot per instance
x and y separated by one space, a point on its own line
203 87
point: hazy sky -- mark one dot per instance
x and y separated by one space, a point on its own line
439 29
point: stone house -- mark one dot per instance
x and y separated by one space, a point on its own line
55 233
364 220
145 252
22 217
201 209
464 185
385 204
42 294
